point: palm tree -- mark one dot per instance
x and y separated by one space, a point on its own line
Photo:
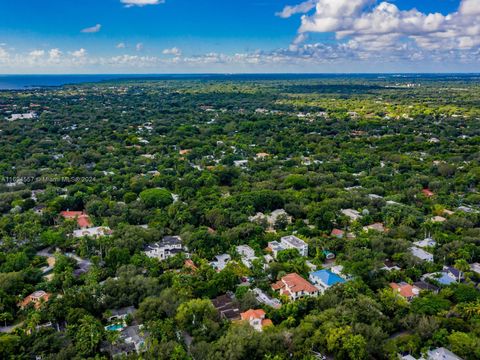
6 316
32 322
462 266
112 338
470 309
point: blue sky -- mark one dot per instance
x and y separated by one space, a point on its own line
152 36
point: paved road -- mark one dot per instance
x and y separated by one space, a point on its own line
9 329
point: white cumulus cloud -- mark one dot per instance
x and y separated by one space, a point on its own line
92 29
301 8
369 26
173 51
35 54
130 3
81 53
54 55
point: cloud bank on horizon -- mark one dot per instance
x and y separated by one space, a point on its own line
364 32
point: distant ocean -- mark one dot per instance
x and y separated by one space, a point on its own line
22 82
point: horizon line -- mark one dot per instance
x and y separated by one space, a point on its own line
243 73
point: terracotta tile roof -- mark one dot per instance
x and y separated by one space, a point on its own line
83 220
405 290
253 314
337 232
190 264
295 283
71 214
262 155
36 297
267 322
278 285
427 192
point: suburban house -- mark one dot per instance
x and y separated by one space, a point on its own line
421 254
120 314
265 299
256 319
427 192
83 220
475 267
240 163
425 286
247 254
226 308
293 242
435 354
438 219
271 219
442 354
94 232
453 273
36 298
39 209
261 156
441 277
167 248
375 227
131 340
407 291
467 209
354 215
220 262
288 242
295 286
427 242
338 233
325 279
389 265
275 247
338 270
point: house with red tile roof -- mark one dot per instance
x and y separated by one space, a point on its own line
427 192
36 298
83 220
256 319
338 233
189 264
407 291
295 286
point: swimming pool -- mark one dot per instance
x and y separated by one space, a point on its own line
114 327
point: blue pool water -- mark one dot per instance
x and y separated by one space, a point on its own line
114 327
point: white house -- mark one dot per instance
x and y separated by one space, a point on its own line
256 319
92 232
354 215
220 261
294 286
475 267
427 242
247 254
168 247
293 242
421 254
442 354
271 219
288 242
